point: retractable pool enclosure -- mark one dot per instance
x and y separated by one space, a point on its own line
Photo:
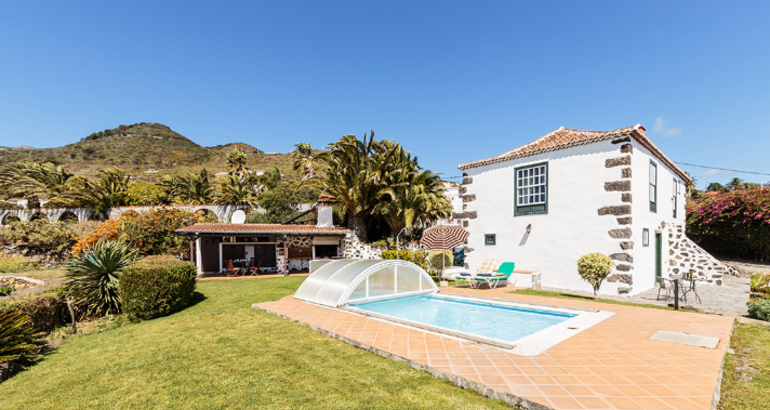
339 282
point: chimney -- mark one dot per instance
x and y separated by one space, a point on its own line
324 211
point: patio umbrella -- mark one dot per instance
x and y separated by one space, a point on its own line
443 237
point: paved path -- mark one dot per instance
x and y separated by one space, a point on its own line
729 299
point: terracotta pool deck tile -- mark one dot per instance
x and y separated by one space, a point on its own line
612 365
564 403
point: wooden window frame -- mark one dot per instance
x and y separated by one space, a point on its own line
654 188
487 237
528 209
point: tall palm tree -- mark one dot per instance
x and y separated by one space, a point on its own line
354 174
236 160
236 192
304 161
419 196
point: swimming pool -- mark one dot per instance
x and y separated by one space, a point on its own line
526 329
507 323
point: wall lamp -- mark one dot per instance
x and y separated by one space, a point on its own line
529 228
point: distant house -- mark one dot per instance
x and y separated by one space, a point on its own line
573 192
281 248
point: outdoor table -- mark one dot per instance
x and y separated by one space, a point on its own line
691 288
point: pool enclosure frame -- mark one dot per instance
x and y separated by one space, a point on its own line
335 283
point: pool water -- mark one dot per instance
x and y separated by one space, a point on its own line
506 323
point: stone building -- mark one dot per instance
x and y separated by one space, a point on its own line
573 192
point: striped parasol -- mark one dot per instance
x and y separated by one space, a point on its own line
443 237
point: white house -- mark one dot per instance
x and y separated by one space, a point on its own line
573 192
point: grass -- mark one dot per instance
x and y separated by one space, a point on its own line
220 353
746 383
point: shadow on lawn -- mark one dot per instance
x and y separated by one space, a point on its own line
196 298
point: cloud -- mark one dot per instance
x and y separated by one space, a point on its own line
711 172
661 127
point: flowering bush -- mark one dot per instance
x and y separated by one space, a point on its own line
152 232
735 223
107 231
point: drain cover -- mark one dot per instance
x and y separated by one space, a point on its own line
685 339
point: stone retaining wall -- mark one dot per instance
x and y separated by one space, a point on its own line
686 255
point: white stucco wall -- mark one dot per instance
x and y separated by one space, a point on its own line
572 227
452 193
644 256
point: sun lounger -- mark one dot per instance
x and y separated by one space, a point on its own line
493 279
488 267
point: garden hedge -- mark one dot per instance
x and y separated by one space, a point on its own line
156 286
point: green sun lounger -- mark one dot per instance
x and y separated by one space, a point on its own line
493 279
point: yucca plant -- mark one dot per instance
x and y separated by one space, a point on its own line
18 338
93 276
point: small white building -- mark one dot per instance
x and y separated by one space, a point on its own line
573 192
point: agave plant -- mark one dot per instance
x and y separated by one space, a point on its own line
18 338
93 276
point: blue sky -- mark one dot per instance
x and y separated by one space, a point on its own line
451 81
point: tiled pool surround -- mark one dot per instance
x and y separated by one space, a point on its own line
612 365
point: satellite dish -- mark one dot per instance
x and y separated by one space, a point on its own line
238 217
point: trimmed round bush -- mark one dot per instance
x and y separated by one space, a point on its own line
594 269
156 286
760 310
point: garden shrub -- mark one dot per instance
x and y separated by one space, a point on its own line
760 285
156 286
417 257
435 262
594 269
760 310
40 237
46 310
12 264
735 223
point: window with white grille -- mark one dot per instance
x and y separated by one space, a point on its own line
531 189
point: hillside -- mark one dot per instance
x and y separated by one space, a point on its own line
139 147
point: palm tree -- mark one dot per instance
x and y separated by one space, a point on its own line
735 184
194 188
419 198
305 161
108 192
236 192
355 175
236 160
34 181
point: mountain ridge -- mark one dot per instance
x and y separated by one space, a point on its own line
139 147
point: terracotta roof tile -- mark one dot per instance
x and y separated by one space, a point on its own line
567 137
262 228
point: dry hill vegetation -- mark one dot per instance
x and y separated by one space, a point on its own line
139 147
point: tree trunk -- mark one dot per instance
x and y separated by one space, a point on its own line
358 225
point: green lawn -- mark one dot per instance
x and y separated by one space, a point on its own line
221 353
746 383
